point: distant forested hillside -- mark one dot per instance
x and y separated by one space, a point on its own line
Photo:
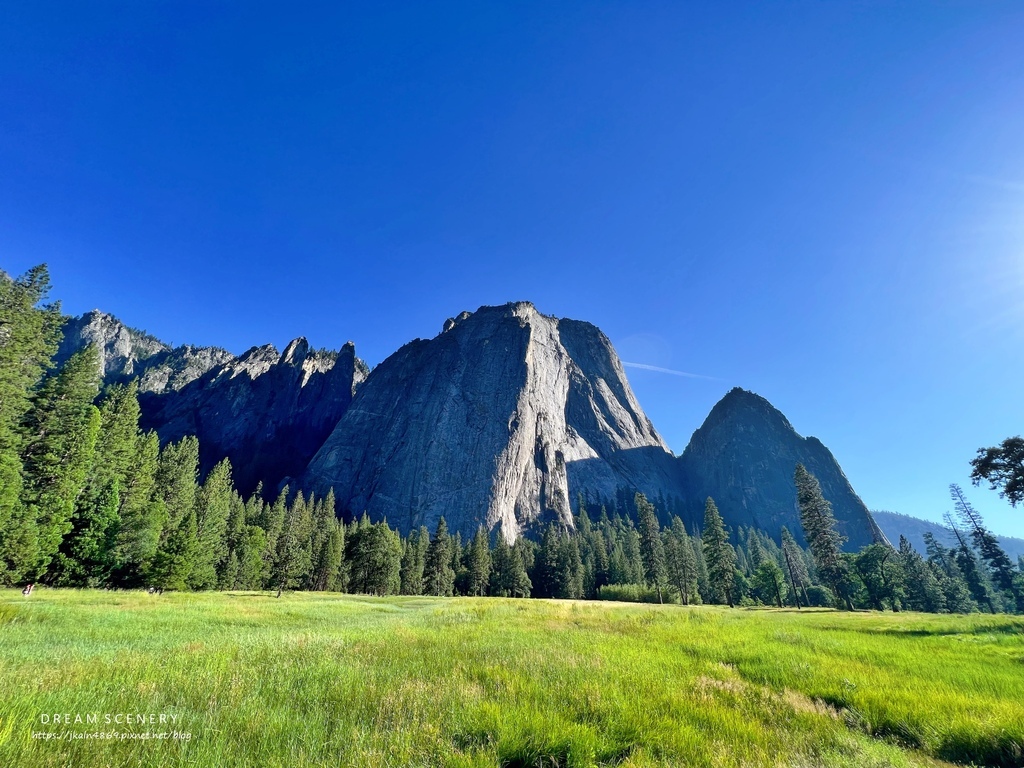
893 524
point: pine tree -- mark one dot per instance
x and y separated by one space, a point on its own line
630 540
375 560
62 427
327 544
570 568
755 550
173 562
292 562
177 476
769 582
974 576
142 512
509 572
438 575
29 335
720 556
479 563
501 570
796 569
522 562
329 558
272 520
213 508
175 495
819 526
86 555
703 582
414 560
234 541
252 553
680 562
922 588
951 578
987 544
652 551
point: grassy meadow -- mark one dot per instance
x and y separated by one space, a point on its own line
321 679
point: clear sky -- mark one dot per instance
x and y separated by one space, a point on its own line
821 202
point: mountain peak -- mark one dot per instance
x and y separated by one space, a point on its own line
499 420
744 456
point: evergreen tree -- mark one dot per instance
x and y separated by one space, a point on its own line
414 560
143 513
570 568
755 553
819 526
213 508
720 556
86 555
974 576
438 575
922 588
703 582
176 479
680 563
327 544
796 568
951 578
601 569
740 591
652 550
881 574
293 557
62 427
29 334
547 575
251 558
768 582
987 544
272 521
630 541
174 559
508 575
234 541
1003 468
375 558
479 565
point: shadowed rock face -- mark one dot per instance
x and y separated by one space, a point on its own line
267 413
500 419
744 457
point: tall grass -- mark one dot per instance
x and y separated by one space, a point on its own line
315 679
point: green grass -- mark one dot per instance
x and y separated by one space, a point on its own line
315 679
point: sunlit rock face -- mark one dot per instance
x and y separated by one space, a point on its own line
501 419
744 457
127 353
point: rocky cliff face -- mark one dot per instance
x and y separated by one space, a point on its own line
126 353
500 419
744 456
268 412
265 411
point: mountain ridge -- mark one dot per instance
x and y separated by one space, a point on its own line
501 419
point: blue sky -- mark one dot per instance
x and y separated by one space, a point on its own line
821 202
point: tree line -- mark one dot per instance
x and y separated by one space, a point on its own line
89 500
